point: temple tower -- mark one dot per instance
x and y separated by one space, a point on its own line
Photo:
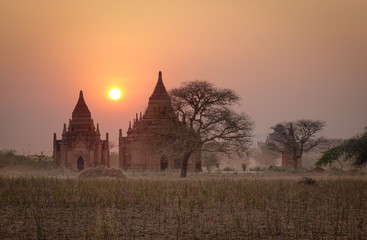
81 145
287 155
133 151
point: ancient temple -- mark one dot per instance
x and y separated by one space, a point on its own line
287 160
287 155
134 151
81 145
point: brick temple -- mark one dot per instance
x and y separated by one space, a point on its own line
134 152
287 155
81 145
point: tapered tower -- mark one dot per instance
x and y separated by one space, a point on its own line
133 151
81 145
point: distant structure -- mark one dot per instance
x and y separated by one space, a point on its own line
133 151
287 155
81 145
287 159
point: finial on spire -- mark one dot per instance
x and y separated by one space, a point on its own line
160 76
81 93
64 129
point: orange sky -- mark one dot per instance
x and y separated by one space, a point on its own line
286 59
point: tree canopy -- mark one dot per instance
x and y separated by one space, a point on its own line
210 122
353 149
295 138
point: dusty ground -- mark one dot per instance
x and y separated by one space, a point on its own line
160 205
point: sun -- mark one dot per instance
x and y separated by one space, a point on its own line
115 94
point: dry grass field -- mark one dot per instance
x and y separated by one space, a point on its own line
200 207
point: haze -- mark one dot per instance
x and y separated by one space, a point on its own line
287 60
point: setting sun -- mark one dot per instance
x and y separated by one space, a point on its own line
115 94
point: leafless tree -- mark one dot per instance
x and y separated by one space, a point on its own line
210 123
295 138
111 145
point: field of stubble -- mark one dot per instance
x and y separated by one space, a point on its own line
221 207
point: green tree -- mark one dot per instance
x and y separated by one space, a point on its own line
353 149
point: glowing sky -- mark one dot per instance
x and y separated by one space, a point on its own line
287 60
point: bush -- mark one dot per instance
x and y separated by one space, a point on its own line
257 169
336 169
228 169
276 168
10 158
7 157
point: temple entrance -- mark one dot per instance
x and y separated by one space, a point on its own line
164 163
80 164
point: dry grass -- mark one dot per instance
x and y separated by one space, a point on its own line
101 172
165 207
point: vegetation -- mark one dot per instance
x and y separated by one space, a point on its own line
229 169
244 167
202 208
210 160
9 158
353 150
295 138
211 124
257 169
276 168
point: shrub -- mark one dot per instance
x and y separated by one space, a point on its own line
276 168
228 169
10 158
257 169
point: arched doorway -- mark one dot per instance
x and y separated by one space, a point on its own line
80 163
164 163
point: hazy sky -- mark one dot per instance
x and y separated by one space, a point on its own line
288 60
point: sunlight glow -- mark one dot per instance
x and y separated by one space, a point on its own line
115 94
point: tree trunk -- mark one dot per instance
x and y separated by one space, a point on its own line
198 164
341 165
184 164
295 164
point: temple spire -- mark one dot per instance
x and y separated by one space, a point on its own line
81 109
160 91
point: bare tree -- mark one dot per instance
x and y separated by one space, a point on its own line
111 145
295 138
210 124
